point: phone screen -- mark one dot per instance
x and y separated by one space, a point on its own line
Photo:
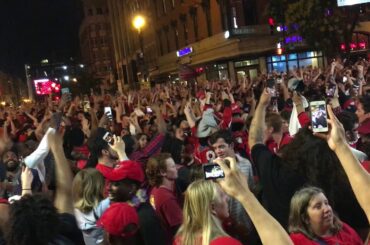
65 91
108 112
331 89
271 87
86 105
319 118
213 171
149 110
108 137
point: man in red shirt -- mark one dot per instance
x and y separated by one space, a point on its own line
274 133
110 156
162 172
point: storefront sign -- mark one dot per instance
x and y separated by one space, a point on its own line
184 51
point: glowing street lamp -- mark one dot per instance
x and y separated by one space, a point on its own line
138 22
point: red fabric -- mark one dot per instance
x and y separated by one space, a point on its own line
226 118
201 154
166 207
274 146
81 164
124 170
115 219
153 147
235 108
364 128
110 174
346 236
240 141
82 149
366 165
303 119
224 240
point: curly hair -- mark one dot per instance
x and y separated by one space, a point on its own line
311 157
155 166
33 220
365 101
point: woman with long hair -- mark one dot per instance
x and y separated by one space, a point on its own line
205 209
312 220
89 203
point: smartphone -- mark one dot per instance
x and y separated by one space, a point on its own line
330 91
108 112
213 171
319 117
344 79
86 106
65 91
149 110
271 87
108 137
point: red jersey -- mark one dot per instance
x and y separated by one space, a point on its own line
167 208
202 154
274 146
346 236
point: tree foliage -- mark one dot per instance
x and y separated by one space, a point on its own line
322 24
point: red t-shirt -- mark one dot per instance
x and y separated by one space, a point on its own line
166 207
224 240
201 154
274 146
346 236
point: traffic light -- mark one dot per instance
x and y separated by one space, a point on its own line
272 25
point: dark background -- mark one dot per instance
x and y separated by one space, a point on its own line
32 30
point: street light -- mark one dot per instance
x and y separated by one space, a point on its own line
138 23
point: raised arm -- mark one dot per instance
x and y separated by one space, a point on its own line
256 135
358 177
190 117
63 197
159 119
235 184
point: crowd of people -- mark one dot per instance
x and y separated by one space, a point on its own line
290 149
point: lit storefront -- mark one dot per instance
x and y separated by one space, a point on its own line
286 62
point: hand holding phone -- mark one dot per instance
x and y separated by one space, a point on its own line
271 87
213 171
108 112
108 137
319 118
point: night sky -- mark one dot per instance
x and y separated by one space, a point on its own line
31 30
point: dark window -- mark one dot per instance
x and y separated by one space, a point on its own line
207 10
99 11
193 14
184 27
167 39
159 37
175 33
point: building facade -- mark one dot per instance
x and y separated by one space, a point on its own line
96 41
226 39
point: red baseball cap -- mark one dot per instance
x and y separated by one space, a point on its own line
117 217
126 170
